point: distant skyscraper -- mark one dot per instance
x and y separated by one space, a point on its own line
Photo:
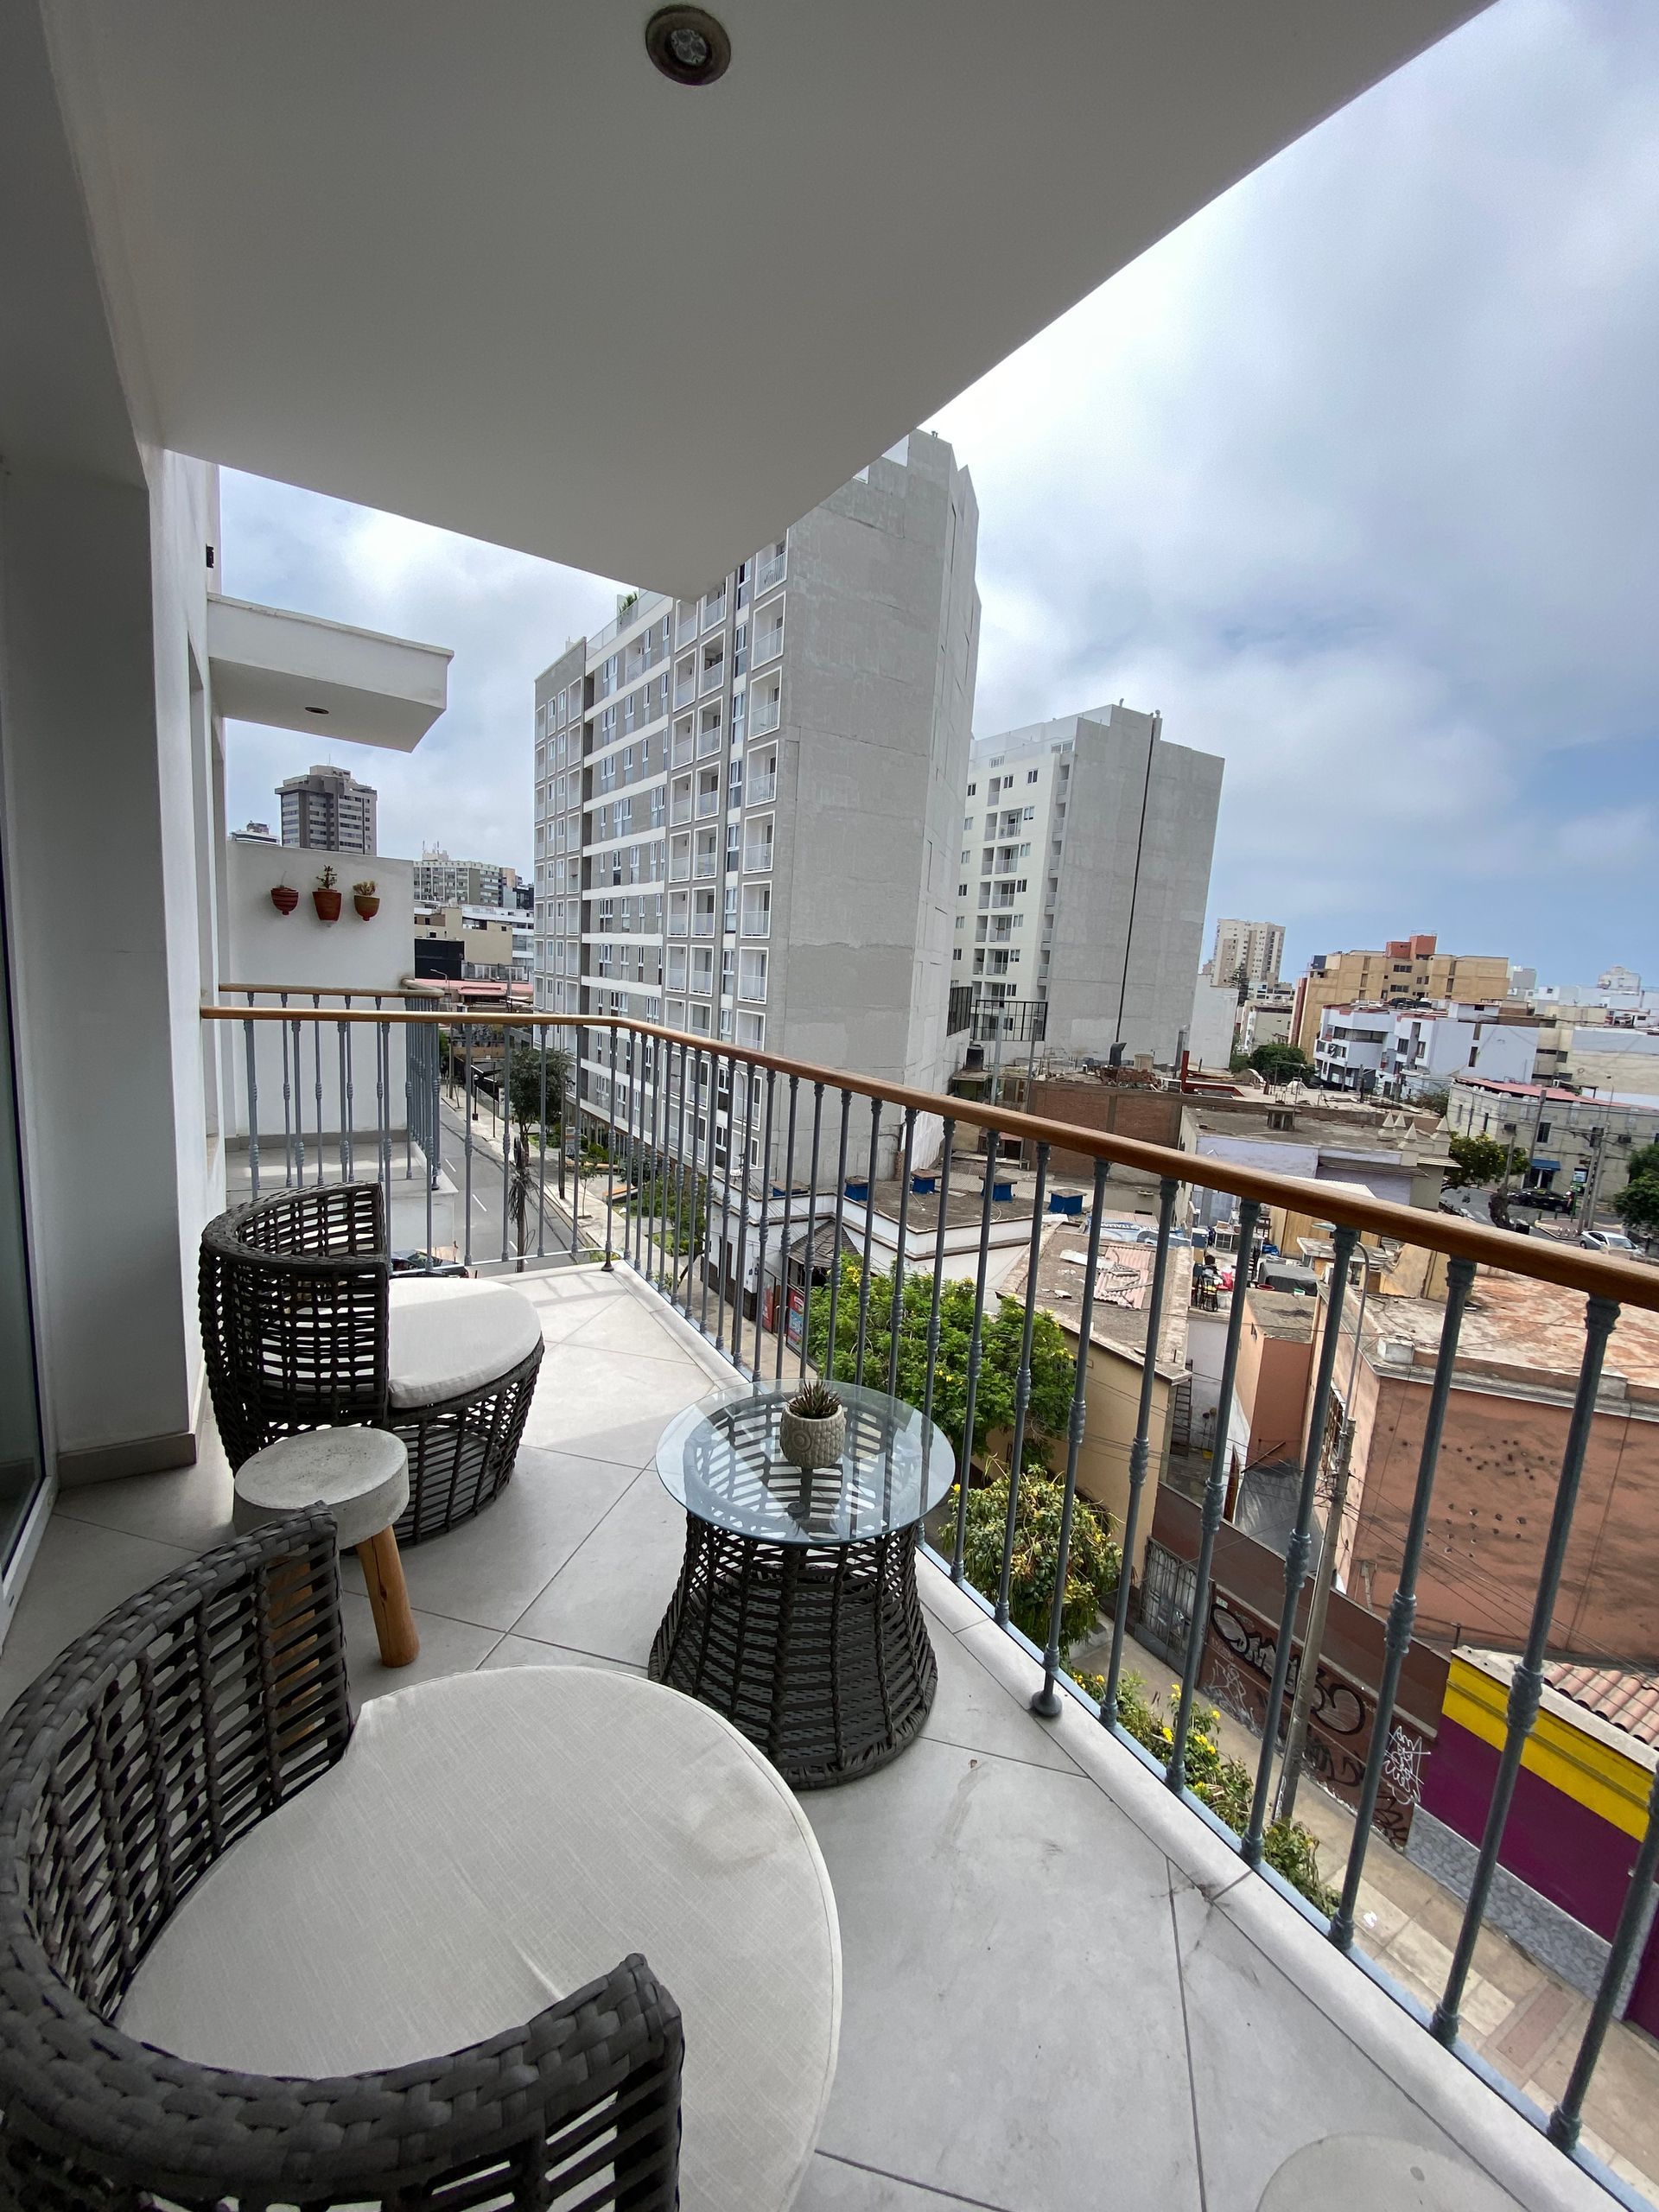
1256 947
328 809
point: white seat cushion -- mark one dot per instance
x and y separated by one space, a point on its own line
489 1843
449 1337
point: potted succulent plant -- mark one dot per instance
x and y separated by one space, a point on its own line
326 897
365 899
284 898
812 1429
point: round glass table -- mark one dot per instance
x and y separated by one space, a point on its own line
795 1614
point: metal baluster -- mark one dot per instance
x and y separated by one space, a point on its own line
1527 1683
965 1460
832 1345
1567 2120
707 1116
938 1274
679 1187
1140 1450
288 1121
783 1253
435 1082
662 1214
725 1188
1046 1702
316 1056
743 1225
1215 1500
467 1124
896 1303
1402 1607
340 1036
1022 1386
348 1135
765 1215
570 1118
379 1096
540 1154
408 1106
248 1028
503 1086
610 1150
811 1221
299 1106
869 1232
1301 1544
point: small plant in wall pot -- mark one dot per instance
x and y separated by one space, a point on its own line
326 897
366 900
284 898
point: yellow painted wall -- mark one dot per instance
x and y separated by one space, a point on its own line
1570 1758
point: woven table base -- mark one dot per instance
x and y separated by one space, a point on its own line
819 1653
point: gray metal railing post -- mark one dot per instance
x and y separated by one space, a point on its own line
1214 1499
253 1109
504 1102
541 1148
288 1115
938 1274
610 1150
1300 1543
765 1217
783 1250
1022 1387
1046 1702
1527 1683
1402 1607
965 1457
901 1253
743 1204
831 1341
316 1060
467 1141
869 1233
811 1223
1140 1450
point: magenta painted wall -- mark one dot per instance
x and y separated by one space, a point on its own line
1557 1846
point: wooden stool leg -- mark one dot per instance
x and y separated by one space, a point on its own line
394 1623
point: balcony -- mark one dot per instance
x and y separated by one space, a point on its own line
769 571
762 791
768 713
708 802
702 925
767 645
1252 2034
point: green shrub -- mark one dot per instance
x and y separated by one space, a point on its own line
1092 1562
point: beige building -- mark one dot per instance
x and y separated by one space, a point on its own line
1404 969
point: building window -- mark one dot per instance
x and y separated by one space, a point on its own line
1031 775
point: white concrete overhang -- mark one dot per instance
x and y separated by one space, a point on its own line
485 267
296 671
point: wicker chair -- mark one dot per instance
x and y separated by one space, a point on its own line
149 1747
297 1323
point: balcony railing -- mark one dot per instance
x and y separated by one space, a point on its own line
770 571
708 802
814 1129
685 690
768 713
766 645
708 741
702 925
763 791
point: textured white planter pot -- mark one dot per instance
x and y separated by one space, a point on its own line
808 1444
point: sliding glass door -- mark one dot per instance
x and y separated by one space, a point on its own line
22 1466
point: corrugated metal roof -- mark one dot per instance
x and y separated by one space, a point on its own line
1624 1700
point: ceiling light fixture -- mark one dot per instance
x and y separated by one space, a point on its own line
316 710
688 45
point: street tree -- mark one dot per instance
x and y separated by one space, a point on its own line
1281 1063
1481 1159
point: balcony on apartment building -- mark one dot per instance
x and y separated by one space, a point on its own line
1376 1993
1081 1960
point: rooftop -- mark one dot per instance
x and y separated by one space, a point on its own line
1520 1327
1122 1292
1283 1313
1003 1888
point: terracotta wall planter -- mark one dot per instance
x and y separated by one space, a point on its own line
326 904
367 908
284 898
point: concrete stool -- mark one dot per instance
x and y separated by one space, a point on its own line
362 1476
1379 2173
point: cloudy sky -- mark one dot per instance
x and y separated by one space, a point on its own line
1355 477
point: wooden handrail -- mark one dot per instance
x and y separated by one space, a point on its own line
1596 1274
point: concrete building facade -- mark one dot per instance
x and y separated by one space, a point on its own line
749 805
1575 1143
1404 970
329 808
441 882
1254 948
1085 854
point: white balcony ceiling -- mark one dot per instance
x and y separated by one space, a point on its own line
482 266
296 671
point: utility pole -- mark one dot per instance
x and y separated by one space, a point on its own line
1313 1637
1592 1191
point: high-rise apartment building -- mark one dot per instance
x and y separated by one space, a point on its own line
748 805
1254 948
1084 872
440 881
1405 970
330 809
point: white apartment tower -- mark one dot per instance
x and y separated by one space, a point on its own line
1256 947
330 809
1084 876
748 804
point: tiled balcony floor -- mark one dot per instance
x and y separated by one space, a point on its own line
1061 1992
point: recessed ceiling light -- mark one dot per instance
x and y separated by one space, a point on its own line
688 45
316 710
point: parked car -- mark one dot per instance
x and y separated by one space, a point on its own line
1608 1240
417 1263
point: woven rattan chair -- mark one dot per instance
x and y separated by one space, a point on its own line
145 1751
299 1315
